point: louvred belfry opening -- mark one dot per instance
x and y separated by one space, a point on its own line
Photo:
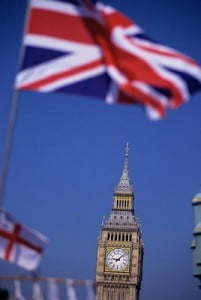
124 192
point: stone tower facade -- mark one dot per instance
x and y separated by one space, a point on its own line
196 243
120 247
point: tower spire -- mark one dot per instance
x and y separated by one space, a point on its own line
124 186
127 149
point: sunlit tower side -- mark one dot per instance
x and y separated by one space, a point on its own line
196 243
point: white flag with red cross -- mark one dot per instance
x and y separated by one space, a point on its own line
19 244
17 291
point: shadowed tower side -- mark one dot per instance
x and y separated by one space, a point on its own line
120 247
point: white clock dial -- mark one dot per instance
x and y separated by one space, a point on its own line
117 259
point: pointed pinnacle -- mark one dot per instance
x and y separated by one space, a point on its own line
124 185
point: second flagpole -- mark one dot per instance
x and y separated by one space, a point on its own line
8 145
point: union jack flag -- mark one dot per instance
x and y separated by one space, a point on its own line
89 48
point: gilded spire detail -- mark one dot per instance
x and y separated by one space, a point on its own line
124 186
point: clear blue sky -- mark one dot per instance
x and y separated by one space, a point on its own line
68 154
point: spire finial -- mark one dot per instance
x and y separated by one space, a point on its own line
124 185
127 149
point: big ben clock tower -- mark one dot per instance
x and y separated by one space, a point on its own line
120 247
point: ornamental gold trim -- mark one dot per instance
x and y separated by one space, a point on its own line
108 268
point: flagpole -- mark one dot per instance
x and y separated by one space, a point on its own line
8 145
12 121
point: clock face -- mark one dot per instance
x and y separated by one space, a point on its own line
118 259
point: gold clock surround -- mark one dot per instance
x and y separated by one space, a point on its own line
109 268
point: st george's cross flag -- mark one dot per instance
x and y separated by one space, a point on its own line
89 48
19 244
90 290
53 292
71 293
37 291
17 291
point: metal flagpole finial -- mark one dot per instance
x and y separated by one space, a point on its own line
127 149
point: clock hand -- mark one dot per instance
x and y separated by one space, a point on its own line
117 259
